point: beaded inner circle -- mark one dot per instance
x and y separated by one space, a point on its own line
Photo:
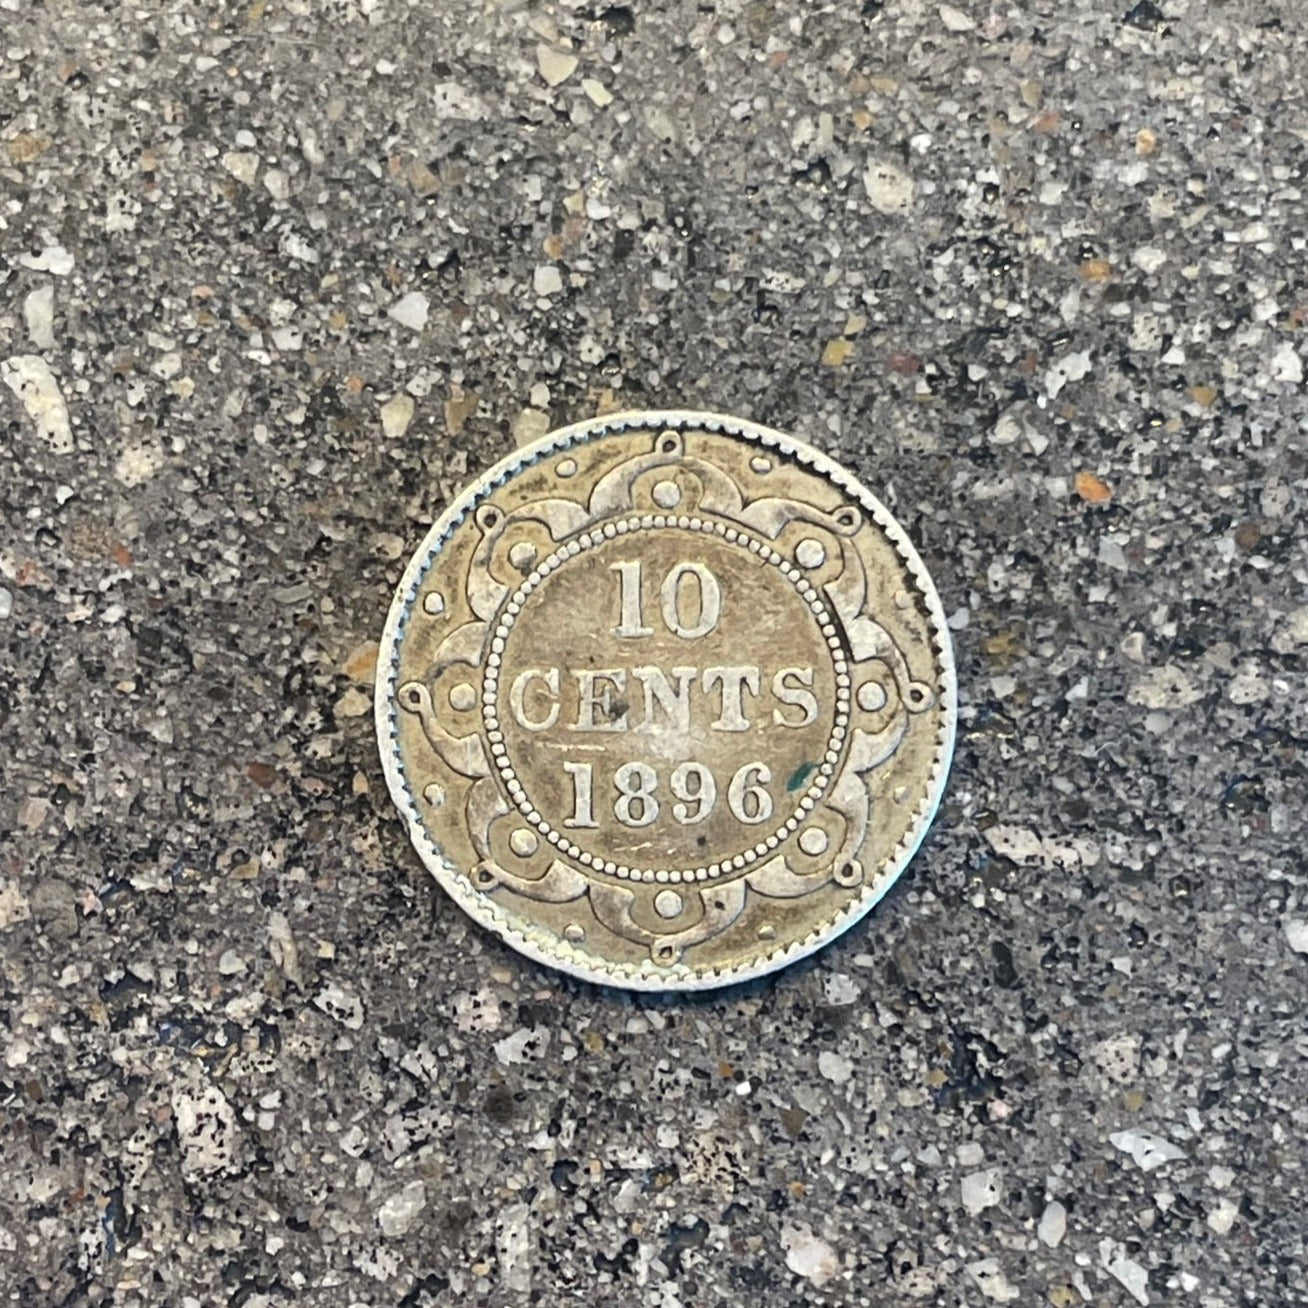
628 526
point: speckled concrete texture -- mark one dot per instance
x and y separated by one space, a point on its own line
279 277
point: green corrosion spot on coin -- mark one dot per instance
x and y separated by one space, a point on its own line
800 776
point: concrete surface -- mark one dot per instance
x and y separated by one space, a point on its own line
279 277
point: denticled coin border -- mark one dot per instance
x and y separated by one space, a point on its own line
546 947
835 741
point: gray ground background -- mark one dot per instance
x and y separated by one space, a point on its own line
298 271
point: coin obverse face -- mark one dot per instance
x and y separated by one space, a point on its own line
667 700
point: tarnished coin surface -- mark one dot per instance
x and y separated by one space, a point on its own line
667 700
